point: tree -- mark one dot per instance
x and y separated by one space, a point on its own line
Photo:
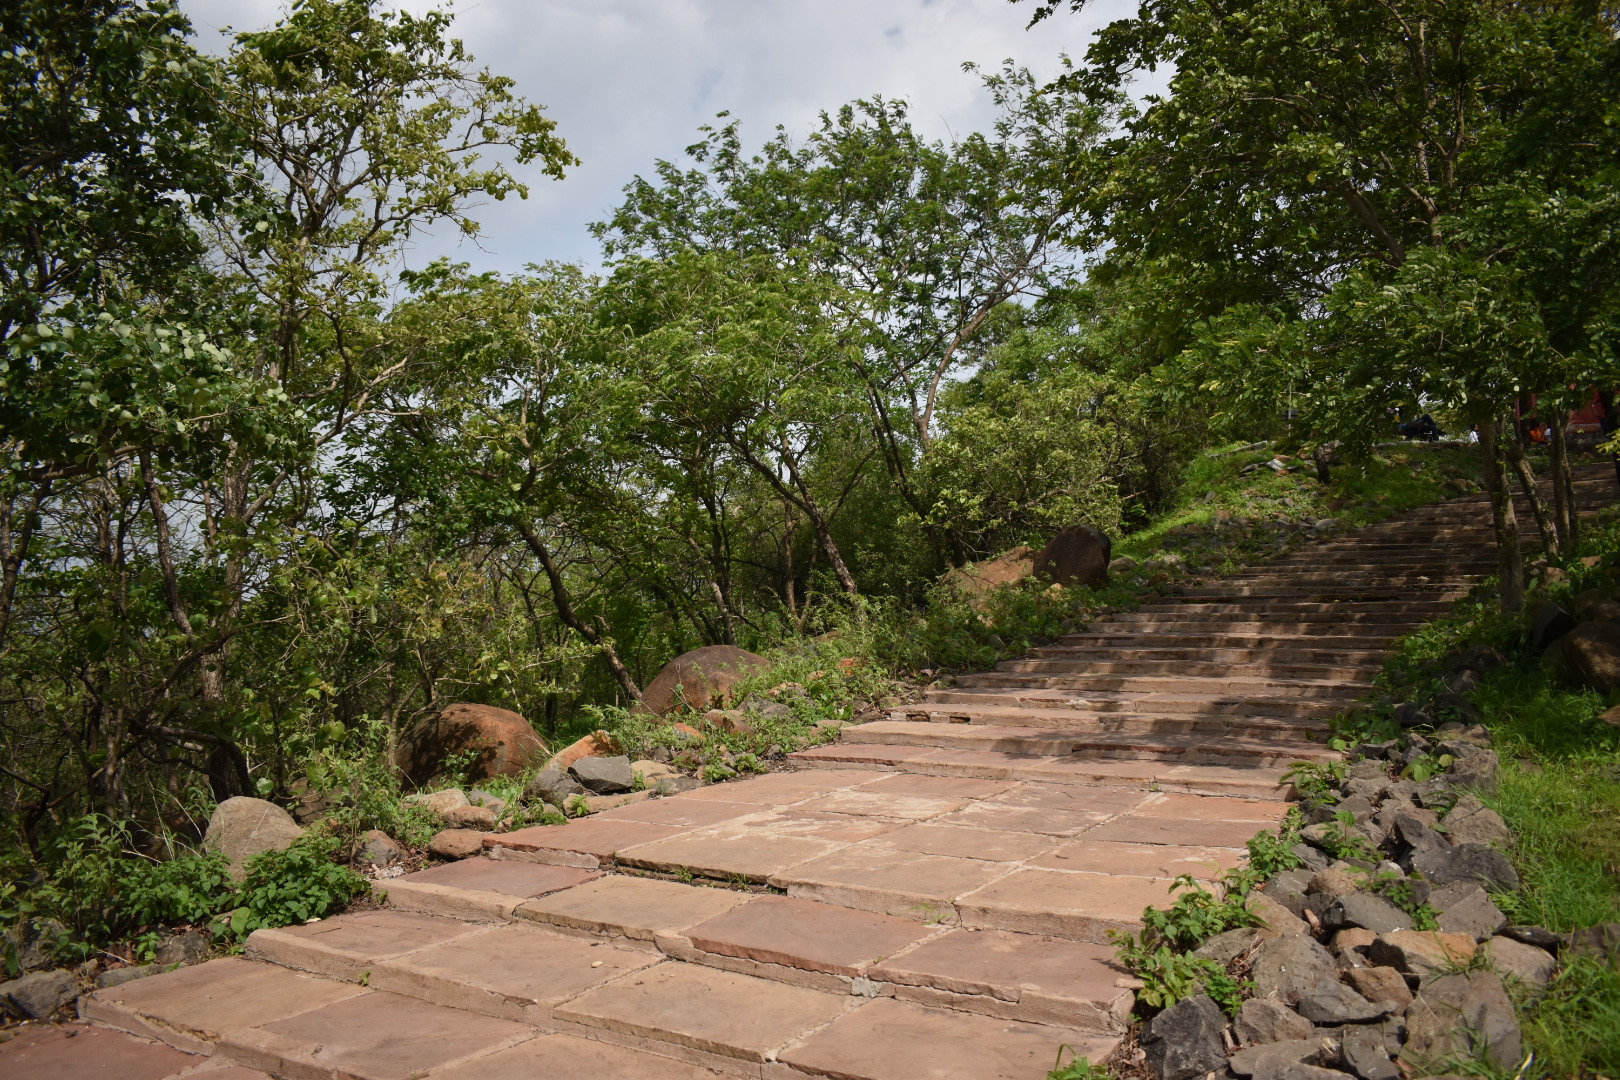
926 240
1310 154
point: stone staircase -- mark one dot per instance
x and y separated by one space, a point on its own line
928 899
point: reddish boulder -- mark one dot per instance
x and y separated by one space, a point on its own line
1079 555
703 678
1590 655
504 743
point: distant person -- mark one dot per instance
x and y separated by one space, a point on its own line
1423 428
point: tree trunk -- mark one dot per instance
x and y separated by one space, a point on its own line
16 536
1527 483
1566 518
566 612
1510 560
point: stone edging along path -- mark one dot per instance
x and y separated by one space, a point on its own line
928 898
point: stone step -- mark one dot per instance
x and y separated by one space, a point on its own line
1165 703
1303 654
1308 611
1142 775
1247 636
1210 686
1090 743
1287 727
1331 592
1260 668
609 1012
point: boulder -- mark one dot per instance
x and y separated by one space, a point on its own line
1079 555
1226 947
1363 1051
1472 822
1122 565
439 802
603 775
1595 605
1366 911
1479 658
188 947
377 848
1549 623
120 976
38 995
34 943
1261 1060
1335 1003
1600 942
733 721
674 785
456 844
1467 862
976 581
1465 907
1610 716
596 744
1539 936
1462 1015
703 678
1380 983
481 818
1286 968
502 742
1589 655
552 785
1185 1040
1477 771
1262 1020
1422 952
1276 920
484 798
1515 960
242 827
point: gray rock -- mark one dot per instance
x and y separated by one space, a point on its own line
1409 715
1539 936
443 802
1467 862
1254 1060
1601 942
1357 806
1478 772
674 785
1262 1020
1416 832
1367 769
552 785
1335 1003
1472 822
1515 960
479 797
1312 858
1224 948
1366 911
1286 967
187 948
377 848
1480 658
34 943
39 994
1364 1052
120 976
241 828
604 775
1549 623
1465 1015
1185 1040
1465 908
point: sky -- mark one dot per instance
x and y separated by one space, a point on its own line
630 81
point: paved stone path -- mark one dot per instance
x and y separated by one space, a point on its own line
941 883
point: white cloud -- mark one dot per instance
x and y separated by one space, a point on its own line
630 81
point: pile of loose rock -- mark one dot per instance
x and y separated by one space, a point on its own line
1384 955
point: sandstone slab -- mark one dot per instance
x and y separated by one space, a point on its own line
990 845
514 972
727 854
193 1008
1139 829
589 843
1081 907
78 1051
1141 860
805 934
896 1040
887 881
373 1036
637 908
568 1057
716 1012
348 945
684 811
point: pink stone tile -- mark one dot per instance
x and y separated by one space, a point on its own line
779 789
804 934
1141 860
501 876
79 1052
875 878
865 802
1033 819
684 811
568 1057
948 787
1186 807
1135 829
591 840
994 845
